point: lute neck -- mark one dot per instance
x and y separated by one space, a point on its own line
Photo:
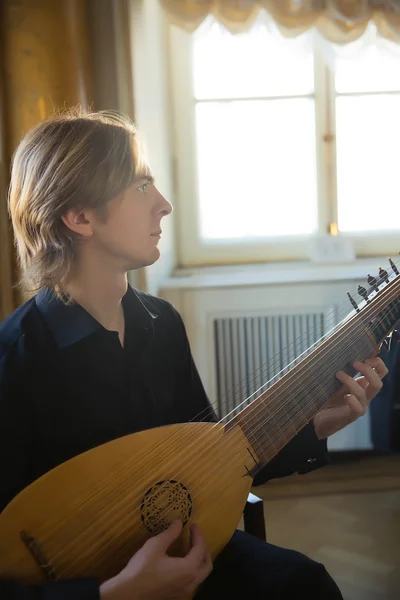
280 412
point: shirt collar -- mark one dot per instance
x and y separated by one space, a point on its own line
70 323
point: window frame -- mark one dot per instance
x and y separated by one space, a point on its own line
191 249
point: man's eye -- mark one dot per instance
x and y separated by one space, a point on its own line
143 187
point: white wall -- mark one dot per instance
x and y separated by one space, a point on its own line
152 115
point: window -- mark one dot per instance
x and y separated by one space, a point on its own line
274 147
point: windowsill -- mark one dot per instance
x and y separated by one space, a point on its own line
273 273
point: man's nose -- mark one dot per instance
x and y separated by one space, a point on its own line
165 206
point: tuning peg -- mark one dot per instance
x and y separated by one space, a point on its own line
353 302
383 274
363 292
373 282
395 270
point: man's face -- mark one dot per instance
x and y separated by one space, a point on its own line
132 229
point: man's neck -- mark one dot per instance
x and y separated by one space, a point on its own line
101 296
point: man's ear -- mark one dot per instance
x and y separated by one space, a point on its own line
79 220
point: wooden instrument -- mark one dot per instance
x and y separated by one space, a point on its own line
89 515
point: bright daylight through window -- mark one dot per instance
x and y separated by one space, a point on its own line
288 135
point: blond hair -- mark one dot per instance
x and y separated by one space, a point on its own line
74 159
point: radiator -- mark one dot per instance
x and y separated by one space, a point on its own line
253 351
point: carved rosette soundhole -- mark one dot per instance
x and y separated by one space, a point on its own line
164 502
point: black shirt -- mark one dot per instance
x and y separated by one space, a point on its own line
67 385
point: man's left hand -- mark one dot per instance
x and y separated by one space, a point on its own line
358 393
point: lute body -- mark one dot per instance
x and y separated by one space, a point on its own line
88 516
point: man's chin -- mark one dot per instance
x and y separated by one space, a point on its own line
145 261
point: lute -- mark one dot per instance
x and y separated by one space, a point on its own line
89 515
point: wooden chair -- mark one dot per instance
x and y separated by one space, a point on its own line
253 517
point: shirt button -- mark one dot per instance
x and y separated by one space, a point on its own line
311 460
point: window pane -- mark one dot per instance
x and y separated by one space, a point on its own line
260 62
256 168
374 68
368 149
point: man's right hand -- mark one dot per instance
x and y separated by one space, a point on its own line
153 575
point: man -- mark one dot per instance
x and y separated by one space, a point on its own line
88 359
